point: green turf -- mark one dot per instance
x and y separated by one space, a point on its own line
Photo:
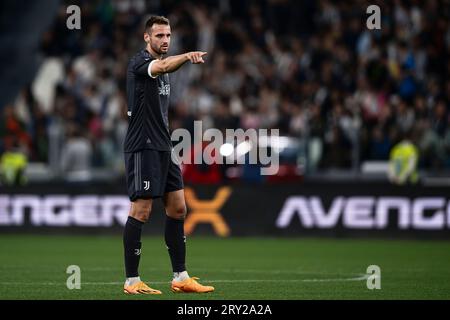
34 267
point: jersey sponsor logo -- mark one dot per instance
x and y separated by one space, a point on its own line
164 90
146 185
365 212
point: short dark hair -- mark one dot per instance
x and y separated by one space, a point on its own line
155 20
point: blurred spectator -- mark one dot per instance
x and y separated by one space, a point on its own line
403 162
13 131
202 173
76 156
13 163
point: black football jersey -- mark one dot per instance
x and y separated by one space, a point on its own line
148 103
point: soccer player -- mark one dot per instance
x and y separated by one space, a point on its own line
150 172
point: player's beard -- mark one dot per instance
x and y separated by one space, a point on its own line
159 50
163 51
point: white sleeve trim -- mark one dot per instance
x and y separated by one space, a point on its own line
150 69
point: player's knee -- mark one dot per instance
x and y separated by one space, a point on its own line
141 211
141 215
178 212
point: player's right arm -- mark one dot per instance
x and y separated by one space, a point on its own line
173 63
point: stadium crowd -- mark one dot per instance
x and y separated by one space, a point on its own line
309 68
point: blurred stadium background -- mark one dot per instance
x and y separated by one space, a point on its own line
364 149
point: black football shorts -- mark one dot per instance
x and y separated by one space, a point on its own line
151 173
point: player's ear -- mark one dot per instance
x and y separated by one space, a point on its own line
146 37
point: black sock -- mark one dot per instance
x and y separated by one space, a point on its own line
132 246
176 243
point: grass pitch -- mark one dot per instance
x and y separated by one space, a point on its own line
34 267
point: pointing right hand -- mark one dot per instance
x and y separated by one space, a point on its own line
196 57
